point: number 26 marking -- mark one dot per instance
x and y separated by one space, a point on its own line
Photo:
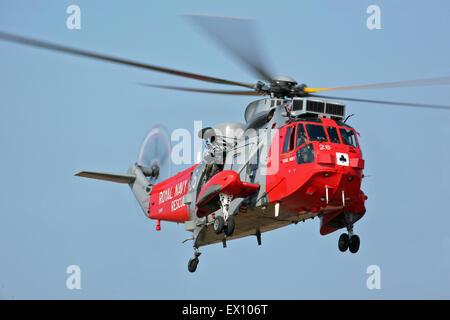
324 147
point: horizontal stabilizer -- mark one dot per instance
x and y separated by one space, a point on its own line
113 177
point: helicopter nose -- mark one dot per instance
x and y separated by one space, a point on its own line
337 179
340 159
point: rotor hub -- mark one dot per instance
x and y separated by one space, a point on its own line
283 79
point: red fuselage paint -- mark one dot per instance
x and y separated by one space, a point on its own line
327 184
330 184
166 198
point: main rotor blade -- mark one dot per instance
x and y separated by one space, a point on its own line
228 92
397 84
55 47
406 104
237 36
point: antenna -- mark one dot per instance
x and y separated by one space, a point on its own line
350 115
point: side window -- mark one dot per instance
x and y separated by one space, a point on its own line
305 154
292 139
289 140
332 133
348 137
286 140
301 135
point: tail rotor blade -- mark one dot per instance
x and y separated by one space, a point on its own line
156 151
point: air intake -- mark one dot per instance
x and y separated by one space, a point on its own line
335 109
315 106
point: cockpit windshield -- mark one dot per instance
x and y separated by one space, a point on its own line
309 132
316 133
333 134
301 135
348 137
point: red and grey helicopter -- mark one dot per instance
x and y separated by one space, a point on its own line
294 158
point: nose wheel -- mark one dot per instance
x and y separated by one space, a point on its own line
343 242
349 241
353 244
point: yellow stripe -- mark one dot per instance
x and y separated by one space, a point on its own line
311 90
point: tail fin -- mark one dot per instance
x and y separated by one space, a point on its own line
112 177
135 178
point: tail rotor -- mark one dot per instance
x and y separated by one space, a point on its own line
154 154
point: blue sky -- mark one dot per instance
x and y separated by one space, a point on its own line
62 114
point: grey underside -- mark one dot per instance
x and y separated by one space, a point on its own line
250 223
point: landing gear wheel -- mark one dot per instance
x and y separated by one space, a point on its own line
343 242
353 243
192 264
219 223
229 228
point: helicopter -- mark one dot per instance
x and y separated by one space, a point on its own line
295 157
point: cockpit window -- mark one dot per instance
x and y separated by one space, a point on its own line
316 132
292 139
289 140
286 140
348 137
332 133
301 135
305 154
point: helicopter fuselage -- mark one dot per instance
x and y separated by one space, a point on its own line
308 166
